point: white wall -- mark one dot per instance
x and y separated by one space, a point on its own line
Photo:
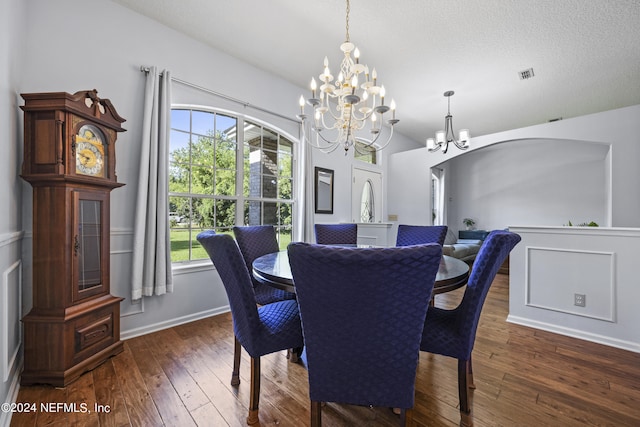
534 182
12 19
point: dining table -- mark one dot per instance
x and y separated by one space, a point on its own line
273 269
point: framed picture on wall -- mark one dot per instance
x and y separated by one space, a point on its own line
323 190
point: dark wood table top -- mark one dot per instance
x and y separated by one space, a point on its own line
274 270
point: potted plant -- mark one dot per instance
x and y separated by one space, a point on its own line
469 222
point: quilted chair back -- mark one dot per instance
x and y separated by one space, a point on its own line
329 234
419 234
255 241
492 254
363 312
226 257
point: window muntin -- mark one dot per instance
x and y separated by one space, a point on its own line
204 167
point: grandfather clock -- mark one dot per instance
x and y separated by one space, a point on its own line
69 160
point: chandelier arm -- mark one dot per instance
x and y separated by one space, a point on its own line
453 139
360 124
330 147
364 117
448 129
335 142
334 116
459 145
383 146
324 124
435 149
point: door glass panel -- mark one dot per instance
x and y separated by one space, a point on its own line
88 244
367 212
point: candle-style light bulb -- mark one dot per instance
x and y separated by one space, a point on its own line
354 83
356 55
314 86
374 76
382 93
301 104
393 108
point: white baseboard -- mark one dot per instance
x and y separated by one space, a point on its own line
147 329
575 333
12 395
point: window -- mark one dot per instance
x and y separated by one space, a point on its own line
268 180
215 182
365 153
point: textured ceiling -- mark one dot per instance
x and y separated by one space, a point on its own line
585 53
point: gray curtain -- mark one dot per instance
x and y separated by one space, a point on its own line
305 203
151 269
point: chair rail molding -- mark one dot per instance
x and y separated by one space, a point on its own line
9 238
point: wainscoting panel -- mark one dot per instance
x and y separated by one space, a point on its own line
121 253
11 317
553 264
554 276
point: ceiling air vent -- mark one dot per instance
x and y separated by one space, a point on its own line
526 74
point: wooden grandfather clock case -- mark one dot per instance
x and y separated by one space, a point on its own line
69 160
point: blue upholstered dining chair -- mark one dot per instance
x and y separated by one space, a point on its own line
255 241
259 329
329 234
419 234
452 332
363 312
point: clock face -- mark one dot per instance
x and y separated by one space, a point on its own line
90 154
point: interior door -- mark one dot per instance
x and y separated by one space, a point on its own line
366 196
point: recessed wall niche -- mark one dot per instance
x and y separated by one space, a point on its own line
530 182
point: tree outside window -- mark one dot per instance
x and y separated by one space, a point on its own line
204 170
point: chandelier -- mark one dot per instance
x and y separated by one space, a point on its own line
446 136
347 106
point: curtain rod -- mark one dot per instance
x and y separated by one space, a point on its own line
221 95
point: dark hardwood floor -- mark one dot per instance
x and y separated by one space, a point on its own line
180 377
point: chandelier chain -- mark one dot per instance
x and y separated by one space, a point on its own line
348 10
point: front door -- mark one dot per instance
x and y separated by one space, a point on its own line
366 196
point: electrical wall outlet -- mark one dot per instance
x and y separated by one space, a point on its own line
580 300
